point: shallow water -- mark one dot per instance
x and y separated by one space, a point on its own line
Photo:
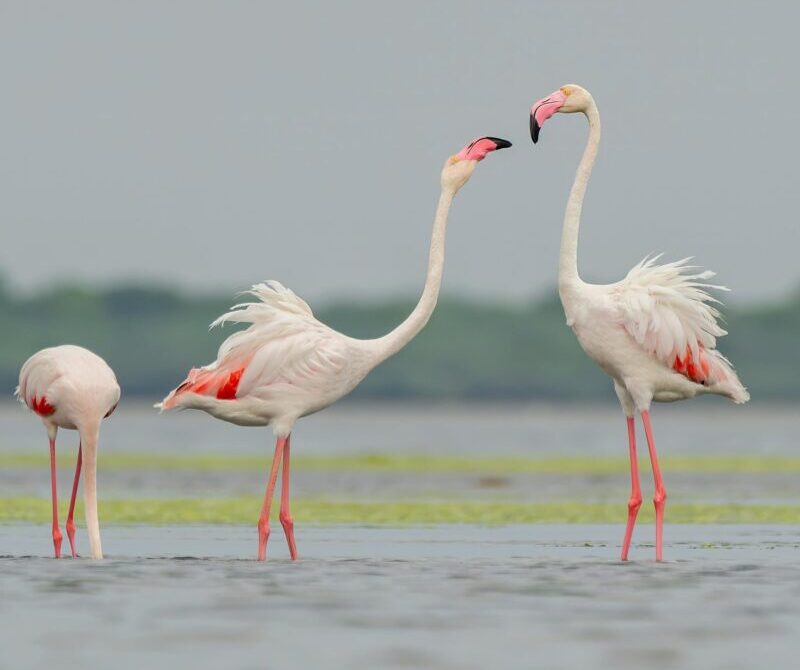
773 488
707 426
443 597
458 596
702 428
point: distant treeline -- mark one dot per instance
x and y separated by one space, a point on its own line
471 349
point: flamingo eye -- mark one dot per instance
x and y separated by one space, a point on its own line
111 411
565 90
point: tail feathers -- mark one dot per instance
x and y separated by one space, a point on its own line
171 400
725 380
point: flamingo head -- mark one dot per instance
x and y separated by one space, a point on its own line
567 100
459 167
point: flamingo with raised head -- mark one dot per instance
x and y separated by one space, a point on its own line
71 387
654 332
286 364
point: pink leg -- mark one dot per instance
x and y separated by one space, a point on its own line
71 512
263 520
635 501
286 515
660 497
56 531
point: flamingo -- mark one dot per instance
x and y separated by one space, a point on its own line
71 387
286 364
654 332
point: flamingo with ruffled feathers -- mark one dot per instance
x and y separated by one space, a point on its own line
286 364
71 387
654 332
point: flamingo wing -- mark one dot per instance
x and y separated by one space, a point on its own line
284 343
51 376
668 310
37 376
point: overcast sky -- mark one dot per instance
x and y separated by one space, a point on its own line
212 145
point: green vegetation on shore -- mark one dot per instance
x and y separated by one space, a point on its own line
374 462
470 350
243 511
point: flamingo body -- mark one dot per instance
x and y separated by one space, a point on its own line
71 387
654 332
68 386
286 364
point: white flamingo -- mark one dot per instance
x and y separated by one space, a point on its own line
287 364
654 332
70 387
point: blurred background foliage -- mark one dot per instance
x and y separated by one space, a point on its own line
471 349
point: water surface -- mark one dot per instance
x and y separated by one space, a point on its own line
443 597
708 426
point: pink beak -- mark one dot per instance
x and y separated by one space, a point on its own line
477 149
543 110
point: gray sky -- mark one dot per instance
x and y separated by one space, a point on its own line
216 144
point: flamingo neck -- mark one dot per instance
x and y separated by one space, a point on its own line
89 438
391 343
568 277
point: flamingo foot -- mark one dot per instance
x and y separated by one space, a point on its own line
633 510
57 537
287 521
263 536
659 500
71 535
263 520
635 501
288 528
660 497
71 511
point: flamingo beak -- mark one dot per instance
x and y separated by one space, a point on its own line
544 109
477 149
535 128
501 143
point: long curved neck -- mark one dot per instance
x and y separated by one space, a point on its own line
568 264
391 343
89 437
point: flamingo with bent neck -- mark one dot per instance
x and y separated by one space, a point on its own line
287 364
654 332
71 387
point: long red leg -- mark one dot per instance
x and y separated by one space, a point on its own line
71 512
263 520
660 497
56 531
635 501
286 515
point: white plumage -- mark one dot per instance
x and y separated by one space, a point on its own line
666 308
71 387
286 364
291 364
668 311
654 332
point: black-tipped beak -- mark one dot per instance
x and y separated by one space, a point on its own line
501 144
535 128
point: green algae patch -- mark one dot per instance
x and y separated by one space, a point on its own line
245 511
379 462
